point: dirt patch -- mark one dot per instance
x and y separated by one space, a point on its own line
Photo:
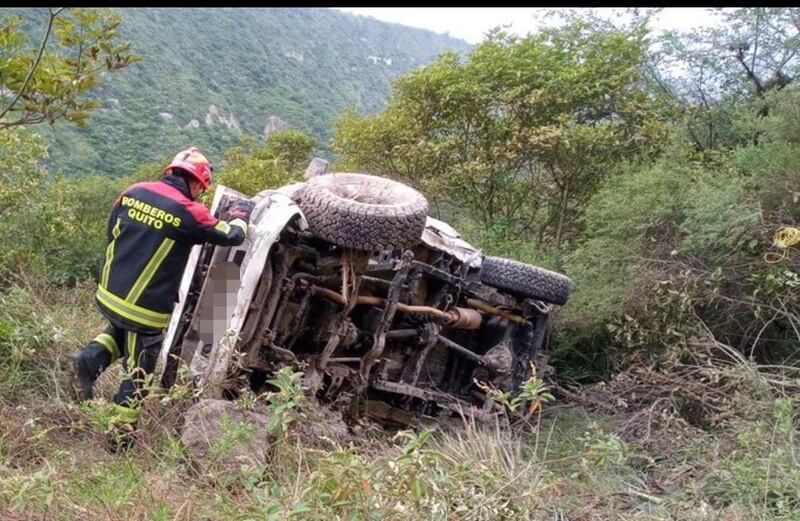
220 438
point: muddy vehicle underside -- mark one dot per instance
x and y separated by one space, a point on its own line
387 311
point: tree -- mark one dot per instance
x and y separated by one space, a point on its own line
250 168
520 132
52 80
710 73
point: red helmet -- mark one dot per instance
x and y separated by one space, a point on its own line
193 162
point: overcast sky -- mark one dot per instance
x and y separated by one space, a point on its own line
471 23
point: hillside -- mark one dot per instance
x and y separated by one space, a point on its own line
209 75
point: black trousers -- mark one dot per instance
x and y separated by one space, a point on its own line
138 352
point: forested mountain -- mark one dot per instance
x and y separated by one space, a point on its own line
210 75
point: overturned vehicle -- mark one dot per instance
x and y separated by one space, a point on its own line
387 311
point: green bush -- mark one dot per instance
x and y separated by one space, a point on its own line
633 216
52 227
250 168
676 245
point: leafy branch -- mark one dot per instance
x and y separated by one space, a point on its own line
53 82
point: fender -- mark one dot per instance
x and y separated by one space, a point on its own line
441 236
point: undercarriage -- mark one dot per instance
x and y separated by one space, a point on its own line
399 334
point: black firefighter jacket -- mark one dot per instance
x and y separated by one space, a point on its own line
151 230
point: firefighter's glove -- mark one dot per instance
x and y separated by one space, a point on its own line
242 209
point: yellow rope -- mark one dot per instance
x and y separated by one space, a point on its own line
785 237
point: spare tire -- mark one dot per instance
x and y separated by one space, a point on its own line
525 280
364 212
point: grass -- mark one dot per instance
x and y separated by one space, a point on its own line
572 462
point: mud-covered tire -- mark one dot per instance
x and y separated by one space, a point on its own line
364 212
525 280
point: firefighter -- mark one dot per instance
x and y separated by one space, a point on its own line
151 230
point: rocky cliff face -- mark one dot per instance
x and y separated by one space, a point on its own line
275 124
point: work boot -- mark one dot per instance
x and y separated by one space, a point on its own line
84 368
121 438
121 431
